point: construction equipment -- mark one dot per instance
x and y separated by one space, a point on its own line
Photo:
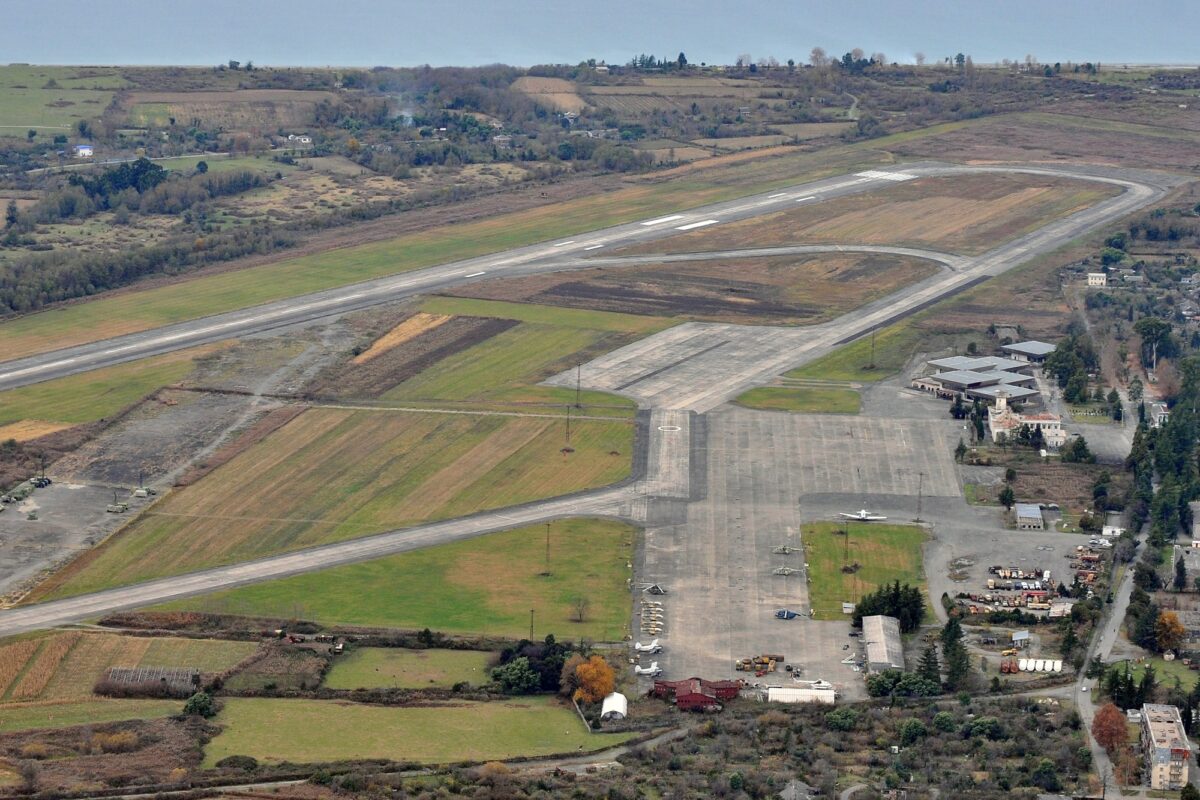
759 665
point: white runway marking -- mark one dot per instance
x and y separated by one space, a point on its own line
773 196
564 244
802 199
661 220
699 224
594 247
886 176
475 274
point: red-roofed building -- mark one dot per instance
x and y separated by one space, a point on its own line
696 694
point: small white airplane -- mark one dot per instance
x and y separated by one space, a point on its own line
863 516
652 647
653 671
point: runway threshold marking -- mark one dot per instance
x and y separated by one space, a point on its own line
702 223
661 220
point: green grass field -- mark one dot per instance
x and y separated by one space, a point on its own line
29 100
334 731
109 316
373 667
884 552
90 396
90 712
894 345
484 585
802 400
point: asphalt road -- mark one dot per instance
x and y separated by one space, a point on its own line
668 469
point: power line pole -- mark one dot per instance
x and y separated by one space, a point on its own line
578 367
568 424
872 349
547 572
531 624
920 494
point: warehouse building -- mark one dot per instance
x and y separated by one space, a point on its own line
1033 351
885 649
1165 743
809 693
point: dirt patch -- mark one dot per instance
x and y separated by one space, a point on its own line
260 430
555 92
28 429
22 459
410 328
280 668
94 757
797 290
398 364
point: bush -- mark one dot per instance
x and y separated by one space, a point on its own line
201 704
244 763
121 742
35 750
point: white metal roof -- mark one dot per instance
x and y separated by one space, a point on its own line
615 703
1032 348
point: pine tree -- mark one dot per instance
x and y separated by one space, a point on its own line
1180 575
1145 687
1070 640
931 669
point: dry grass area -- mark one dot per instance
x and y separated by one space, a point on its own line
410 328
557 93
966 214
743 142
812 130
239 109
793 289
29 429
334 474
1058 138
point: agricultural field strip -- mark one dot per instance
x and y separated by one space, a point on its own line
466 412
527 260
609 501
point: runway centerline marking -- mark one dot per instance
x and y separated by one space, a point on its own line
773 196
475 274
803 199
594 247
702 223
661 220
564 244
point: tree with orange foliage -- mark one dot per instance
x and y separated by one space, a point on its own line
596 680
1109 728
1168 630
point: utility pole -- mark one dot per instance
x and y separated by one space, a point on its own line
846 544
873 349
920 494
547 572
578 367
531 624
568 424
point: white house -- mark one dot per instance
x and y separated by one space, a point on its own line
1097 279
84 151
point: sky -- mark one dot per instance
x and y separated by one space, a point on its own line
525 32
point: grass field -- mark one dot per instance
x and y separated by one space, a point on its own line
64 667
28 99
484 585
90 396
134 311
372 667
884 552
92 712
335 474
966 214
266 729
802 400
894 346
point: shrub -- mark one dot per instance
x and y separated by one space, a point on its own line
120 742
200 704
245 763
35 750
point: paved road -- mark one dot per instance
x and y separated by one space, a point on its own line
760 358
1139 188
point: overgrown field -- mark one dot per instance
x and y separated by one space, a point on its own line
266 730
334 474
967 214
673 190
52 100
879 553
484 585
789 289
802 399
373 667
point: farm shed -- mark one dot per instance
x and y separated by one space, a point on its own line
1029 517
614 707
882 638
790 694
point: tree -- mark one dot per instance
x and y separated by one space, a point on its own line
1045 776
944 721
517 677
1168 630
1007 496
960 452
1070 640
1077 451
580 605
1156 339
1189 792
568 681
1010 475
682 61
817 57
930 668
30 135
1180 575
11 215
919 58
596 680
911 730
954 652
201 704
1108 728
201 167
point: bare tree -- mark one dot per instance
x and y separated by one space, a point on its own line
817 57
920 59
857 54
743 60
580 604
880 59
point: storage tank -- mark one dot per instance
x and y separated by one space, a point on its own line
1024 665
1058 666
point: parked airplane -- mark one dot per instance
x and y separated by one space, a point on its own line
653 671
863 516
652 647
